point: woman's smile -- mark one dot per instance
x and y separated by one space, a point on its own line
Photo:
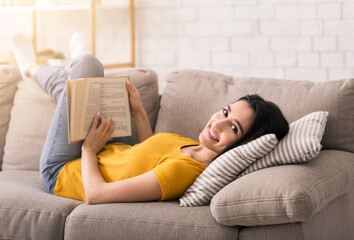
213 135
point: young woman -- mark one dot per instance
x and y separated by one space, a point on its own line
161 167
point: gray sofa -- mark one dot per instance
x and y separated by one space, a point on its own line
312 200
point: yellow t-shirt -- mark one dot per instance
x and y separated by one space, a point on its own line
160 153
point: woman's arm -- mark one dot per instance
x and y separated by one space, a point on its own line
142 123
145 187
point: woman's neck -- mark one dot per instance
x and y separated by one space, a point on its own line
199 153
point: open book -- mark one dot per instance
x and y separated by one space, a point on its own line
87 96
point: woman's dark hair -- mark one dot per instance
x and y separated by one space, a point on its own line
267 119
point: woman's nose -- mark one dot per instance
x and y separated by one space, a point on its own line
220 124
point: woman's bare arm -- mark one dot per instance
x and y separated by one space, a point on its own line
142 123
145 187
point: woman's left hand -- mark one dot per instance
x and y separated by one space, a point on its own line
98 136
136 105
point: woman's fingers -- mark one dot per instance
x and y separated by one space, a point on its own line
103 123
110 131
130 87
95 121
106 126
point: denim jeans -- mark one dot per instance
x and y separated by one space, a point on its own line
56 150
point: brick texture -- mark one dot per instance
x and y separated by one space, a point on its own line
292 39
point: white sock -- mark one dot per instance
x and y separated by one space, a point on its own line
79 44
23 51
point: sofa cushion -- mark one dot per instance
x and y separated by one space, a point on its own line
9 76
27 211
301 144
33 110
335 221
30 119
195 95
287 193
149 220
224 169
291 231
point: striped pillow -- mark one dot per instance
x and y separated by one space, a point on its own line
224 169
301 144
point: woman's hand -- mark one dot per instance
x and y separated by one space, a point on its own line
136 106
98 135
142 123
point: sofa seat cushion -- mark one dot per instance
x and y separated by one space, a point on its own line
27 211
283 194
150 220
290 231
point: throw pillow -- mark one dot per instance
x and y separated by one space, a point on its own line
301 144
224 169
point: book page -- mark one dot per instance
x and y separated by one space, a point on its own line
68 107
87 96
73 109
91 104
115 104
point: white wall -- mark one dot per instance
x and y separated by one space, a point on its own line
55 28
292 39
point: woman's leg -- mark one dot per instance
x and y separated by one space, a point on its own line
56 150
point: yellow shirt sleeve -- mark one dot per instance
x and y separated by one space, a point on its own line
175 176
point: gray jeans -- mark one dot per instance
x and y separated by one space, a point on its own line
56 150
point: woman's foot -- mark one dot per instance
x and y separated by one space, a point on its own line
79 44
23 51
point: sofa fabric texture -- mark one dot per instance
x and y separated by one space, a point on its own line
283 194
284 231
312 200
30 120
27 211
208 92
9 76
151 220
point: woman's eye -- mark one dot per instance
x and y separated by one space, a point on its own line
225 112
234 128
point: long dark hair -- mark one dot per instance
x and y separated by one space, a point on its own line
267 119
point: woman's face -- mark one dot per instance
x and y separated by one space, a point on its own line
227 126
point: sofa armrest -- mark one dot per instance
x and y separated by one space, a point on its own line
283 194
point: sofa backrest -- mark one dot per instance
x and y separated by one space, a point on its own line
32 112
9 76
192 96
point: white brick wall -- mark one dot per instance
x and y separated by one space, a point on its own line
291 39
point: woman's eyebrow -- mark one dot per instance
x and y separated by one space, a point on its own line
236 121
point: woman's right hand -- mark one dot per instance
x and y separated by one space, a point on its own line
98 135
